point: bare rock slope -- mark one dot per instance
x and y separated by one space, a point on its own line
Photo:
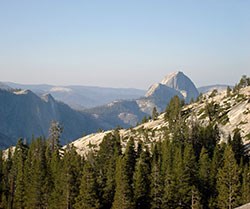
233 112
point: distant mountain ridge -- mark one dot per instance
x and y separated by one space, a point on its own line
24 114
219 87
127 113
82 97
233 113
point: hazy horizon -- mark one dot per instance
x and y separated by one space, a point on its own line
130 44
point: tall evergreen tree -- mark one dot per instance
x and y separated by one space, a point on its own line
171 195
105 166
142 181
246 185
156 187
72 166
18 168
88 196
7 181
55 132
204 177
154 113
35 173
1 179
124 197
228 183
237 147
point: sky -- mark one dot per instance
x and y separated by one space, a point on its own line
132 43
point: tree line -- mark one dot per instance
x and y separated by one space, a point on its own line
186 170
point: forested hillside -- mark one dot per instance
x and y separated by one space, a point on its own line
187 166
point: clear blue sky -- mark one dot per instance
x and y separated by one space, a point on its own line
127 43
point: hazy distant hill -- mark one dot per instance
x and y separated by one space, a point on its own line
206 89
81 97
127 113
23 114
233 112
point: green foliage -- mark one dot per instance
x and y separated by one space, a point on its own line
237 146
228 181
212 110
156 186
245 189
142 181
1 179
124 192
213 93
187 169
88 196
173 110
154 113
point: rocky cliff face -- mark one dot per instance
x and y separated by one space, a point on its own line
127 113
180 82
24 114
232 112
160 94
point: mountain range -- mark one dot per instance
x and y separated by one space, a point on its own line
231 113
27 110
81 97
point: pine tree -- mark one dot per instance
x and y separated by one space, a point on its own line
156 187
142 181
188 176
55 132
18 164
246 185
88 196
124 197
35 173
237 146
1 178
216 163
228 183
154 113
6 186
58 181
72 164
196 199
105 166
171 175
204 177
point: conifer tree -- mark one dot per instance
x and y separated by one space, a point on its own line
55 132
204 177
105 166
246 185
72 166
237 147
18 166
188 177
1 178
124 197
142 181
57 181
36 191
156 186
228 183
154 113
171 195
196 199
7 182
216 163
88 196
